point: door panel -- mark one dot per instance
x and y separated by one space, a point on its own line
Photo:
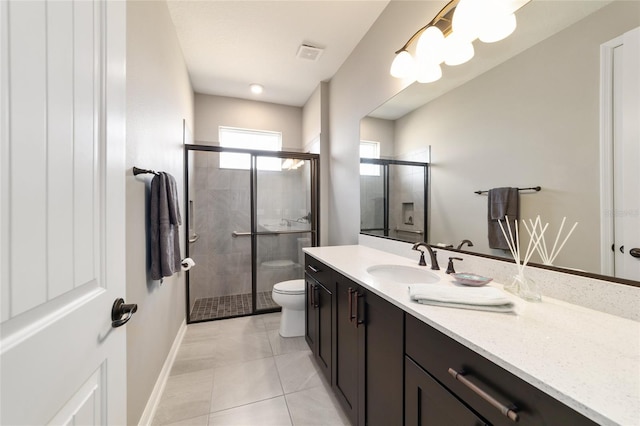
429 403
629 221
219 215
62 212
282 221
346 340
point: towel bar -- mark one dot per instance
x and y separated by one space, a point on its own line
533 188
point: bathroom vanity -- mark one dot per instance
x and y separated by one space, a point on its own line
391 361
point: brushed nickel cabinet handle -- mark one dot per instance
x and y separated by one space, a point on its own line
507 411
312 269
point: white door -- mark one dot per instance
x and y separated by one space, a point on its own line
627 223
620 105
62 212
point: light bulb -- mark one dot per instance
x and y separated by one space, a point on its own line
499 29
457 50
402 65
467 18
430 46
427 72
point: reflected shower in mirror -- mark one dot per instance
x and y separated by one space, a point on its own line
393 197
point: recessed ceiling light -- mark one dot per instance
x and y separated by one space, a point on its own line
256 88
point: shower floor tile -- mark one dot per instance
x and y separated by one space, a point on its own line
228 306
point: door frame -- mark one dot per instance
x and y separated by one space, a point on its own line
607 210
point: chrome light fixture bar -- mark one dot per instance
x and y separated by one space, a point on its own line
449 37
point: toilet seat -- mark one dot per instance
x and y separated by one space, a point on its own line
293 287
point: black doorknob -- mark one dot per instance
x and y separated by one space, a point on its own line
121 312
635 252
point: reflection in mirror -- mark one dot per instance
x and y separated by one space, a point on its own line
532 120
393 197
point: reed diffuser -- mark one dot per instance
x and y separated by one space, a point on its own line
521 285
548 256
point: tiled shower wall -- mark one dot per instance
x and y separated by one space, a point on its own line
221 205
406 199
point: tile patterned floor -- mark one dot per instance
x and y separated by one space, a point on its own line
240 372
229 306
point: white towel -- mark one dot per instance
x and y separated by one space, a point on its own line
478 298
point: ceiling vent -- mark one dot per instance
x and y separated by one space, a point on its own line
311 53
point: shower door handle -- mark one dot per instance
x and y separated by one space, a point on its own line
236 234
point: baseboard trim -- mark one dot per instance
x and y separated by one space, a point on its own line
154 399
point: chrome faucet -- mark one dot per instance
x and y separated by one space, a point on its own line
432 254
463 242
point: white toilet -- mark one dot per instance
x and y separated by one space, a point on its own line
290 295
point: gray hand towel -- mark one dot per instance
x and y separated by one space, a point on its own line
164 221
502 202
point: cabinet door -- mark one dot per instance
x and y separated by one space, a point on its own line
346 341
310 315
383 327
428 403
324 311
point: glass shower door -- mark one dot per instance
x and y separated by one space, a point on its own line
283 222
220 285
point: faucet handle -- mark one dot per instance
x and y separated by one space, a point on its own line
450 269
422 262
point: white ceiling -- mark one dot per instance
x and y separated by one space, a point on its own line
228 45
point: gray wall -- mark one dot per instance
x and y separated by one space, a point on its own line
379 130
315 124
159 97
360 85
214 111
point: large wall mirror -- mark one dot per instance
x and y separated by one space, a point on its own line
531 118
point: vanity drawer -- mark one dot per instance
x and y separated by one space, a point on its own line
318 270
437 353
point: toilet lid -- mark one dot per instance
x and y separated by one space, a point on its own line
290 287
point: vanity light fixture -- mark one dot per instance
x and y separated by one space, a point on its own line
449 37
256 88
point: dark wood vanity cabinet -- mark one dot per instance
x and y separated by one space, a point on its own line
387 367
437 357
319 288
368 368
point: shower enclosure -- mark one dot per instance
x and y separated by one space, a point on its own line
393 199
250 213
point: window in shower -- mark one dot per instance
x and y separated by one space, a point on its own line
369 149
252 224
231 137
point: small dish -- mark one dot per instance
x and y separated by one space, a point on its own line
466 278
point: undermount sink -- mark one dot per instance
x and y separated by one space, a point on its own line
403 274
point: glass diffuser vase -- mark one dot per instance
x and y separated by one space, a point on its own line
524 287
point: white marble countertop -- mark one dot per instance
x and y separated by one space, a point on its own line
586 359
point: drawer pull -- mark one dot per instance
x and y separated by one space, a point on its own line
350 293
509 412
312 269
